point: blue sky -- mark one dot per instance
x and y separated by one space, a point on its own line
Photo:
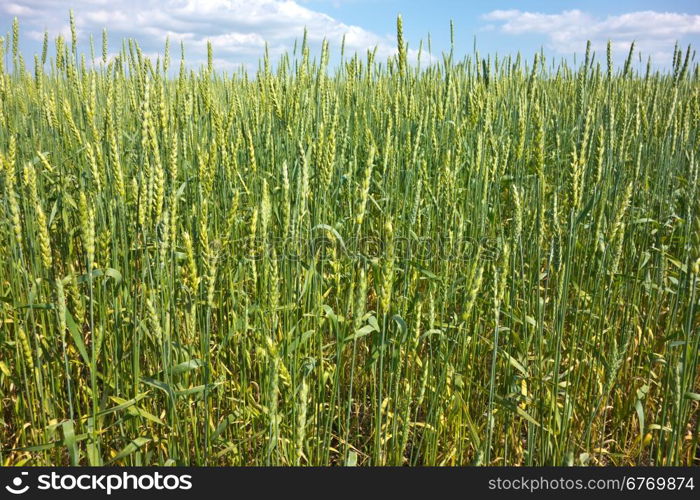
239 30
421 18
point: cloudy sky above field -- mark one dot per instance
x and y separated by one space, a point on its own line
239 30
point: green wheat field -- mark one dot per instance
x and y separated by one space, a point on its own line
475 261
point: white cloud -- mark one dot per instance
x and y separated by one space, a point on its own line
15 9
237 29
654 33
